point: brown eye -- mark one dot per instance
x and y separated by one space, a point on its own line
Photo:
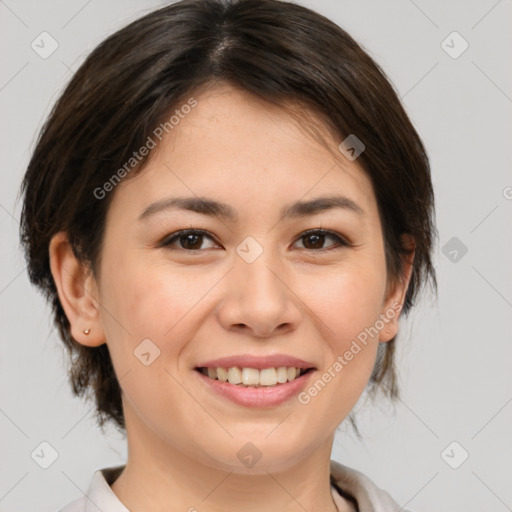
315 240
188 240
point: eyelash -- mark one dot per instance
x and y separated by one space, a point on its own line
168 240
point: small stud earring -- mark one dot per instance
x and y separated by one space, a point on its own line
86 331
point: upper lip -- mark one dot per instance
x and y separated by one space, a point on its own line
258 362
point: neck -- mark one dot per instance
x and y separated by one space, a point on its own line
159 477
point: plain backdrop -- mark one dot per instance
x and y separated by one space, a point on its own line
446 446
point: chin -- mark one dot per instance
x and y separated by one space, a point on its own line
242 455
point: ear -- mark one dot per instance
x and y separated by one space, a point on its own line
395 294
78 292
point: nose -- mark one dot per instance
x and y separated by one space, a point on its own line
258 300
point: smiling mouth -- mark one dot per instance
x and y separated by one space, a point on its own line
253 377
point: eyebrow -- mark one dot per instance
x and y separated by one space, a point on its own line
213 208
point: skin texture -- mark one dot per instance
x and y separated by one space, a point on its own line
294 299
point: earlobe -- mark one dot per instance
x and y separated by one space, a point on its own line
77 291
395 298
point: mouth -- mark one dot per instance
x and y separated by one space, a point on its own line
255 381
254 377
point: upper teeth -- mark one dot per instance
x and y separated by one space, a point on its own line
253 376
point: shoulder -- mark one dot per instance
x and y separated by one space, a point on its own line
77 505
368 496
99 496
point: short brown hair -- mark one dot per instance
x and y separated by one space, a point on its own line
280 51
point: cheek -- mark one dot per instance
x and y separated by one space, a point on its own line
348 303
154 301
145 301
348 300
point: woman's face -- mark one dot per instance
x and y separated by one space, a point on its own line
251 287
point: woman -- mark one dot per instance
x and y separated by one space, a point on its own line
229 210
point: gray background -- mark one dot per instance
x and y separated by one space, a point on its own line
455 352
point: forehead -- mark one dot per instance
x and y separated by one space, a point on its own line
241 149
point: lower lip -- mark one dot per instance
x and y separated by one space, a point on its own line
257 397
